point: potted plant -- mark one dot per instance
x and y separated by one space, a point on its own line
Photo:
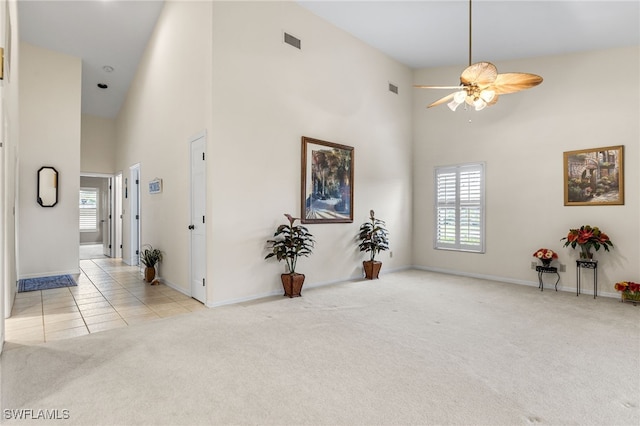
149 256
587 237
629 291
292 242
373 238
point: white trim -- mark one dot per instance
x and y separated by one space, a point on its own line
134 224
49 274
307 286
173 286
568 289
457 204
102 175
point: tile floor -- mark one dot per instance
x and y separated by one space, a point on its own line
110 294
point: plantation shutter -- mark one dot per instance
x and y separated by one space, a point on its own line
460 207
89 209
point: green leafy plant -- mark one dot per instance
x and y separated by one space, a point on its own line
149 256
373 236
293 241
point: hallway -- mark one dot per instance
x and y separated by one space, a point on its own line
110 294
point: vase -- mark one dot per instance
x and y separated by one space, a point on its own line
546 262
149 273
585 253
632 296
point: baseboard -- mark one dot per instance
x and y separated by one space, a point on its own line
49 274
498 278
583 290
307 286
173 286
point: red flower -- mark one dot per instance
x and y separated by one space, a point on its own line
584 236
621 286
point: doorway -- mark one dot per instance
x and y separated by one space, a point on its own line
95 218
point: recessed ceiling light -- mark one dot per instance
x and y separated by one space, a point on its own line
108 68
102 85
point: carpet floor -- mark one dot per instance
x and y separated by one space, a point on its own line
414 347
45 283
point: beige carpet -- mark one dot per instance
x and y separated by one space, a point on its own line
411 348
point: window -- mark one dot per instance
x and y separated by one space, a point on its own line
460 207
89 209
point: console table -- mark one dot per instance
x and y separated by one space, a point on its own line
546 270
587 264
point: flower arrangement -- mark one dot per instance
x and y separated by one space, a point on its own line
587 237
544 253
628 290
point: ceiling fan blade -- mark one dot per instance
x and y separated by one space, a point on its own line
437 87
512 82
442 100
480 73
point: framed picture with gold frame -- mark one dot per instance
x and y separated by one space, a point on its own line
327 182
594 176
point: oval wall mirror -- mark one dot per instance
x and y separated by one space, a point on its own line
47 186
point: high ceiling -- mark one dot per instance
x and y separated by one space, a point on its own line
419 34
432 33
102 33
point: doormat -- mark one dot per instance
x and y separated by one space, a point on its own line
45 283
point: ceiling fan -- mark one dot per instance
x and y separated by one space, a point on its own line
480 83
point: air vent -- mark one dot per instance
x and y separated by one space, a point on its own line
393 88
293 41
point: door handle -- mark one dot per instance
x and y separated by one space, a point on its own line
192 227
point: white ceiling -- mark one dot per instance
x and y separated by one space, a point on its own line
419 34
101 32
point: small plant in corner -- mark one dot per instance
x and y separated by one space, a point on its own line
373 238
149 257
290 242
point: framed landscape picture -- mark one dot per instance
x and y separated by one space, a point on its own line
327 182
594 176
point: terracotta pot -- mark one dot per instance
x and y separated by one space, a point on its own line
371 269
149 273
292 284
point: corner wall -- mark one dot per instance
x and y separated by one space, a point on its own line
267 95
48 240
168 102
8 167
587 100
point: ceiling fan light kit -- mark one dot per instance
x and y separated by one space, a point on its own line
480 84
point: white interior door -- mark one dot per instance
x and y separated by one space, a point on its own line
198 220
134 197
105 215
117 216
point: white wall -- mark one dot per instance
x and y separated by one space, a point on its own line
587 100
267 95
8 158
256 101
168 102
49 136
98 145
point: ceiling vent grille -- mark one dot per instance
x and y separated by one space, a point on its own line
393 88
293 41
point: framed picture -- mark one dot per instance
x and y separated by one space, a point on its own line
594 177
327 182
155 186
